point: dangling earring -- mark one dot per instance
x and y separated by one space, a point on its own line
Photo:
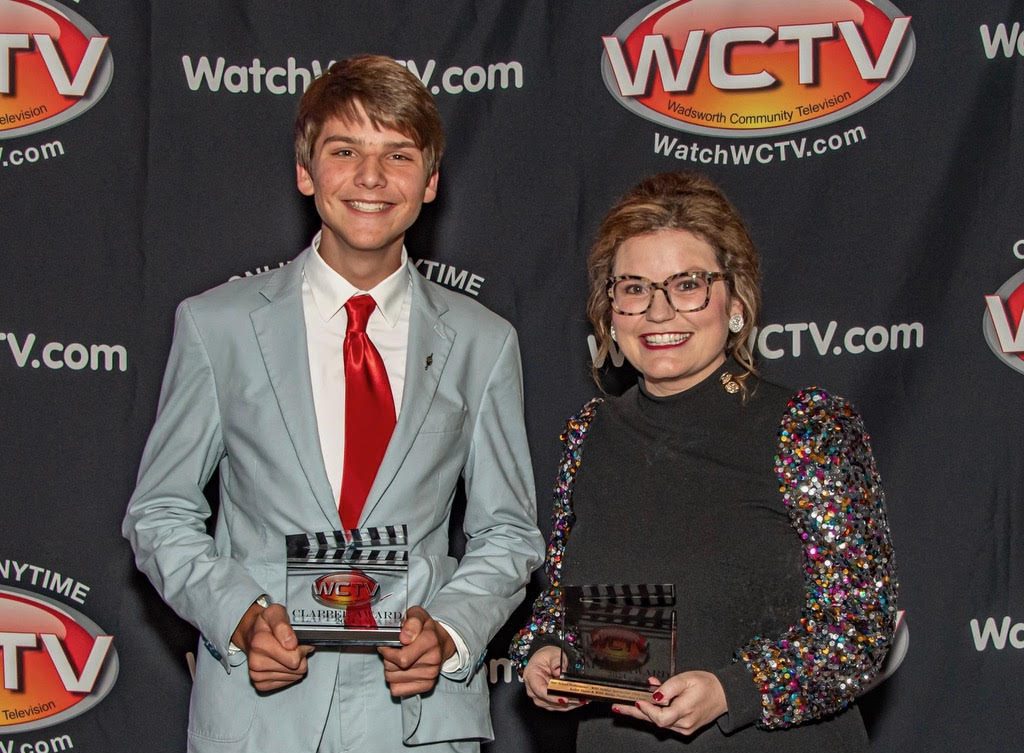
611 331
735 323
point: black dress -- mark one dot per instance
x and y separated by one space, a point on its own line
766 514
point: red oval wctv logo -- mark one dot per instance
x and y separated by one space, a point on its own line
720 68
57 663
1003 324
54 65
344 590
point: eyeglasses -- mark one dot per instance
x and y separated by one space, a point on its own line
686 292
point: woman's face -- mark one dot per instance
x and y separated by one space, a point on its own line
672 350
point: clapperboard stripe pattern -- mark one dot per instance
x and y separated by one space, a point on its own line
642 617
324 545
376 556
642 594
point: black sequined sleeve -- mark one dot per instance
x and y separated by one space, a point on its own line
545 625
831 489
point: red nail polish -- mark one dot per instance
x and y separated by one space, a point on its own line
562 702
658 697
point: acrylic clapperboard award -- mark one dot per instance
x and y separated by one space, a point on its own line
616 637
348 588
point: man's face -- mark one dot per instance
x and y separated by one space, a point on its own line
368 186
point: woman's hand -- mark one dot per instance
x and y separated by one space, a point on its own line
544 665
683 703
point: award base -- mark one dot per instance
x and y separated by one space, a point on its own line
616 637
580 689
348 588
331 638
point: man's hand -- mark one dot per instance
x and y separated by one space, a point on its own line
276 660
414 668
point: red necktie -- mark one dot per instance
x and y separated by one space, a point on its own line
369 411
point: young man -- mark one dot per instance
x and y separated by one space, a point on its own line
341 390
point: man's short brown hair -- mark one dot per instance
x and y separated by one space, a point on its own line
390 95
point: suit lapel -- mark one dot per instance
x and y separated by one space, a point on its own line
430 342
280 328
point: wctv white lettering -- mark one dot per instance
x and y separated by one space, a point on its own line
31 154
291 78
763 153
997 633
46 745
15 675
792 340
774 341
57 355
65 83
1001 39
1010 340
655 56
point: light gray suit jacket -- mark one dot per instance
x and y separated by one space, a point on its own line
236 399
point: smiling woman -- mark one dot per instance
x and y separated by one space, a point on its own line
761 507
673 223
674 340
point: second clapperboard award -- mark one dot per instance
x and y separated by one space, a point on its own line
348 588
616 637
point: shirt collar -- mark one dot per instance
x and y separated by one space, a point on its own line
331 291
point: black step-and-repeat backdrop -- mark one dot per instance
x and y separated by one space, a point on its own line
875 148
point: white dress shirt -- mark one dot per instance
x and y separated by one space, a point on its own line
324 294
